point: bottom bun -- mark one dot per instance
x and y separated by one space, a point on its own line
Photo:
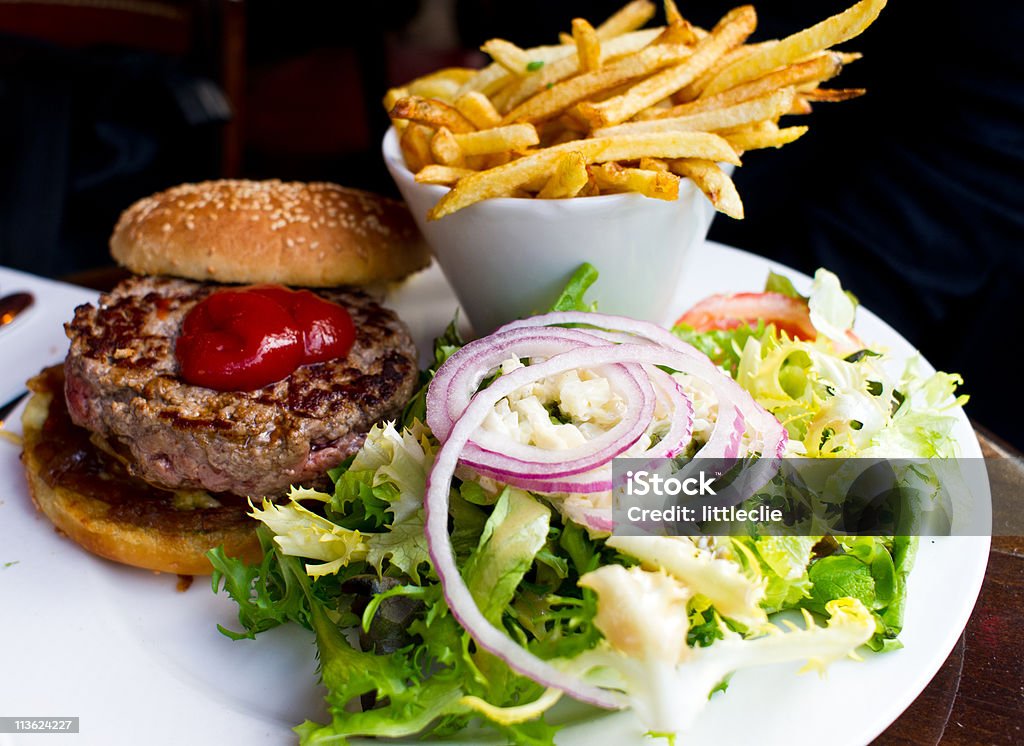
88 495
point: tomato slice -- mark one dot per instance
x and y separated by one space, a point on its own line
789 315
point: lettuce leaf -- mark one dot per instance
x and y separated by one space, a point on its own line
572 297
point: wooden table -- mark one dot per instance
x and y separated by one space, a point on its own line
977 697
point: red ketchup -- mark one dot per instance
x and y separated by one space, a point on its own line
246 338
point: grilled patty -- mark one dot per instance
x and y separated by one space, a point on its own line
122 384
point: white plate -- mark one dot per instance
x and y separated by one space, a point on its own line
139 662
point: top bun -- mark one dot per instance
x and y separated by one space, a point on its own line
308 235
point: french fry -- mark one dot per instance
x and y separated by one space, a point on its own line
502 180
653 164
501 99
393 96
770 106
591 189
497 139
833 94
744 139
694 89
555 72
588 46
823 67
415 145
494 77
519 61
432 113
390 98
612 177
508 55
478 109
628 18
445 175
569 178
496 159
831 31
551 101
446 149
441 89
458 75
713 181
672 14
441 85
731 31
678 30
800 106
487 81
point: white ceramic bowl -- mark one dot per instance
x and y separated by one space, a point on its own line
507 258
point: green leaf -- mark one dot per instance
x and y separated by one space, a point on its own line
534 65
358 505
840 576
581 549
474 493
532 733
404 547
904 552
777 283
724 346
266 597
571 298
515 532
445 346
468 523
784 562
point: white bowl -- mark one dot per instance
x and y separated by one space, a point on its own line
507 258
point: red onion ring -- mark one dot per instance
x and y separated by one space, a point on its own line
460 376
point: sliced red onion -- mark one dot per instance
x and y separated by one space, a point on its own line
681 427
457 594
493 453
460 376
597 520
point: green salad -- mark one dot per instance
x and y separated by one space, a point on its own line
460 573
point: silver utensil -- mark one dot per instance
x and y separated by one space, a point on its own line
7 408
12 305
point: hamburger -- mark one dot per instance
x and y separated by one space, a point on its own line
145 445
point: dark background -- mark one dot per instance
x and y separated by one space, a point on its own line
910 194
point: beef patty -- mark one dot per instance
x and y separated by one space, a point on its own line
122 384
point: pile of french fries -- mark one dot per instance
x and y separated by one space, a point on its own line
619 108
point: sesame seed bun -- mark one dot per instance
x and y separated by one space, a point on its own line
291 233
